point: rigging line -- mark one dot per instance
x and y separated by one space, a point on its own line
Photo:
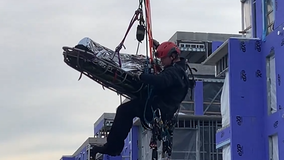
138 46
140 4
149 27
149 33
118 48
146 70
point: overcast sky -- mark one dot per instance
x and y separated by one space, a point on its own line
45 112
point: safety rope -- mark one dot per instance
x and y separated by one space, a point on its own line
137 50
121 44
148 62
149 27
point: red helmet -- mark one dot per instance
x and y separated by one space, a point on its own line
166 49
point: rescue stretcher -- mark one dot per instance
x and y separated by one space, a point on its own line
113 71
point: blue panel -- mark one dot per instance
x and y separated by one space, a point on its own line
198 98
126 153
273 123
223 137
279 12
107 157
216 44
246 99
259 19
135 138
275 43
279 57
68 158
281 134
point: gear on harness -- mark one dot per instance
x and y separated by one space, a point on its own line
162 131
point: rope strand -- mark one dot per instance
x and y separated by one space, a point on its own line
118 48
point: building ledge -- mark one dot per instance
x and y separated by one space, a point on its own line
223 137
217 54
89 141
219 58
222 51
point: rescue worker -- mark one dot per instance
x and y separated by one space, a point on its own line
169 90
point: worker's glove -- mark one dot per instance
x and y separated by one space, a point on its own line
137 75
158 68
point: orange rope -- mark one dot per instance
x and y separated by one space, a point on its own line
149 28
149 33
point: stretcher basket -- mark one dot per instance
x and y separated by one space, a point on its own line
103 66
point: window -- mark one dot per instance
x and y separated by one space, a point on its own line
247 14
247 17
271 83
269 15
209 51
222 66
192 47
254 19
273 147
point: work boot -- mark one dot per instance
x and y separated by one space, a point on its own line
103 150
96 149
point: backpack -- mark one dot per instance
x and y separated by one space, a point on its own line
190 83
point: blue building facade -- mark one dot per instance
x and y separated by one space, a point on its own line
253 69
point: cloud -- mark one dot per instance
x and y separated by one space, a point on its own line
45 112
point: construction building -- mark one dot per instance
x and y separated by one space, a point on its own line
237 109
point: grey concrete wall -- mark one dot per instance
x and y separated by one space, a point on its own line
201 36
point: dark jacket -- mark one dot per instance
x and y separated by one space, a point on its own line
169 87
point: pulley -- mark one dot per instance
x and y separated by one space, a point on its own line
140 33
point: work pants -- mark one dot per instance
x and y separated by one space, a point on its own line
123 122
